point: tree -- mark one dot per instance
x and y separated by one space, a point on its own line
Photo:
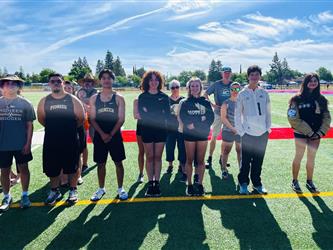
286 72
108 62
122 80
20 73
214 72
35 78
79 69
325 74
5 71
184 77
99 67
139 72
135 80
239 77
44 75
275 74
118 69
200 74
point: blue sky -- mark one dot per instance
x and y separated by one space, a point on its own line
166 35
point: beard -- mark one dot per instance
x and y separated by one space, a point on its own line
56 91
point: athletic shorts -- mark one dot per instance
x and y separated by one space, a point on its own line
217 125
301 136
150 135
115 148
6 158
82 139
65 158
138 129
229 136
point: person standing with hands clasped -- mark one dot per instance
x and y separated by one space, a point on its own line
253 124
310 118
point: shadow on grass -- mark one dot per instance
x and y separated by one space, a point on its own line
322 222
250 219
167 225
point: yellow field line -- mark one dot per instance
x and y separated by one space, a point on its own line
184 198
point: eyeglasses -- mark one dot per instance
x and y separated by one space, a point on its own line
175 87
235 89
55 81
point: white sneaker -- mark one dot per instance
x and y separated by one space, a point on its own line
122 195
98 195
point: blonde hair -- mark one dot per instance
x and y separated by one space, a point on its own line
188 85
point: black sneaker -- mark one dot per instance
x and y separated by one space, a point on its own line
295 186
169 170
225 174
84 168
150 191
209 163
196 179
53 197
311 186
201 190
183 178
156 189
190 190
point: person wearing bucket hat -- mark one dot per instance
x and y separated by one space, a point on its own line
221 91
16 122
61 114
86 91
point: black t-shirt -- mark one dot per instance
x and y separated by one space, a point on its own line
154 109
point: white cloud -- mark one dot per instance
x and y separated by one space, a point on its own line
188 15
323 17
113 27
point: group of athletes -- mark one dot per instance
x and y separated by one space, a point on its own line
243 115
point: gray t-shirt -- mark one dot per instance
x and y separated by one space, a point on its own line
231 105
14 114
221 92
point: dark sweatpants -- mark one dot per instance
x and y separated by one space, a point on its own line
252 157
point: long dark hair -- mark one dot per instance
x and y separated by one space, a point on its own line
304 92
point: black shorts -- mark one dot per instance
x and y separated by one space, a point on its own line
229 136
138 129
150 135
115 148
301 136
82 139
65 158
6 158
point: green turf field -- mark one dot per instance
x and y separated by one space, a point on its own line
282 223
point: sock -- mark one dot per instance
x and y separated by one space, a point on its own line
120 189
72 188
25 193
102 189
55 189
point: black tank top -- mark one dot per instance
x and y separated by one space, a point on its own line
106 113
60 121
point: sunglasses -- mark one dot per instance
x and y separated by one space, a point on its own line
175 87
55 81
11 83
235 89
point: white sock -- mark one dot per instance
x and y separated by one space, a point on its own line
102 189
120 189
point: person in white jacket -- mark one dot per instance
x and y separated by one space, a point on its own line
253 123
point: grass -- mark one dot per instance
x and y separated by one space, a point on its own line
297 223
